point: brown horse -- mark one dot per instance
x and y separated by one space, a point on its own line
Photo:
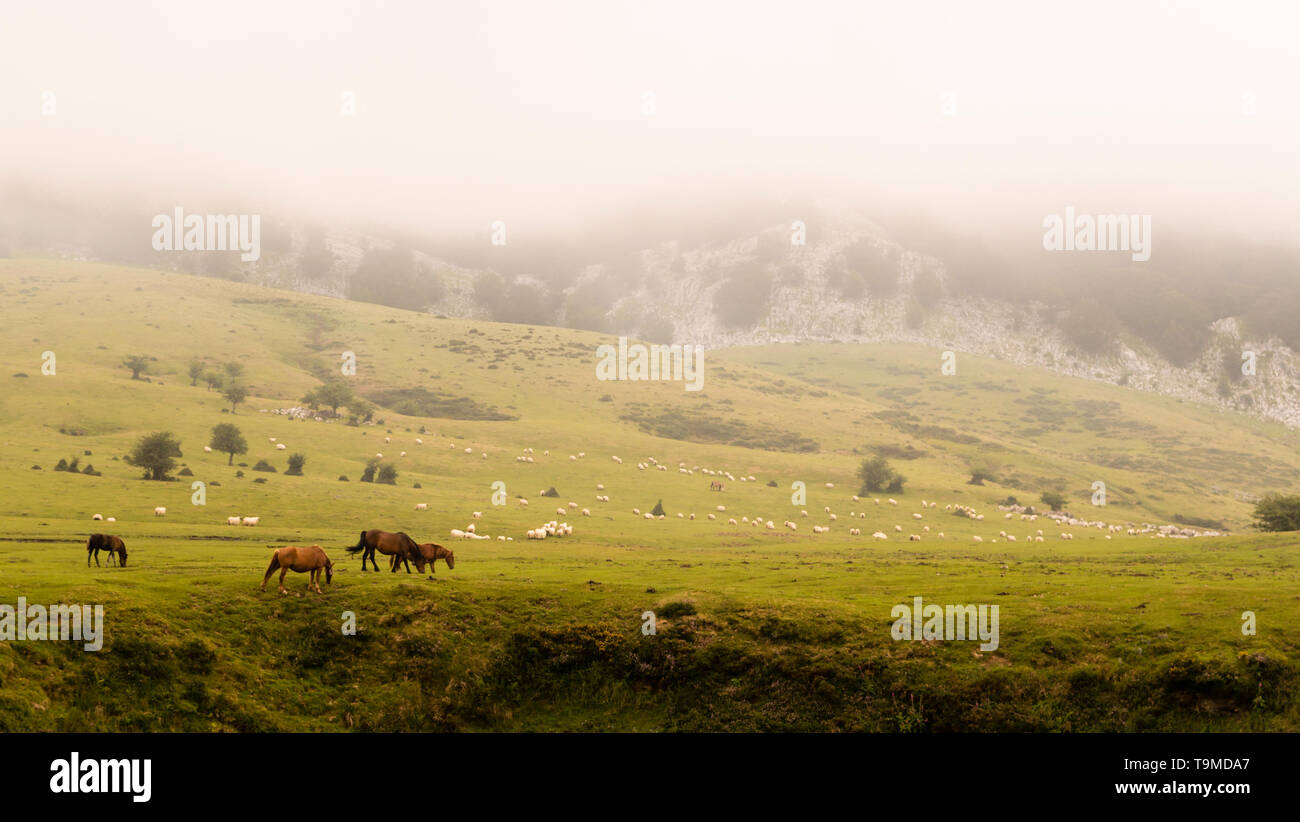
433 552
399 546
115 547
291 557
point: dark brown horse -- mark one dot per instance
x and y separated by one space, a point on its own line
434 552
115 547
399 546
311 559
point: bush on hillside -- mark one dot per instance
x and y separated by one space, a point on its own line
878 475
1053 500
1278 513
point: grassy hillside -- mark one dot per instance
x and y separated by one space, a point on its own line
757 629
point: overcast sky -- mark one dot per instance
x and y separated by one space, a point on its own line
533 111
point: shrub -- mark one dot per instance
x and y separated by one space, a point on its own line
368 475
1053 500
671 610
877 474
343 478
296 462
387 474
551 492
185 472
658 510
1278 513
263 465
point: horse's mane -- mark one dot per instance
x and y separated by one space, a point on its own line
409 545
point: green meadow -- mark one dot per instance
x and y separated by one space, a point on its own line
756 629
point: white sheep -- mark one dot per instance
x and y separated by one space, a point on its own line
251 521
160 511
232 520
422 506
279 446
97 517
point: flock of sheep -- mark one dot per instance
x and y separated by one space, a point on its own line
558 527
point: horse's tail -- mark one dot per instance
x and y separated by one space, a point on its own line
275 563
361 544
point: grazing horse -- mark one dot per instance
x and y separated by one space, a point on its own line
291 557
434 552
399 546
115 547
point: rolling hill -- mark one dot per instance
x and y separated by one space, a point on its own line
757 628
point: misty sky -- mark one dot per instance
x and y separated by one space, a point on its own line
532 112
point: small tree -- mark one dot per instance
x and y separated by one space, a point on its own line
138 363
363 410
234 370
227 439
213 380
876 473
387 474
368 475
196 371
235 394
658 510
296 462
333 395
1278 513
1053 500
156 453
